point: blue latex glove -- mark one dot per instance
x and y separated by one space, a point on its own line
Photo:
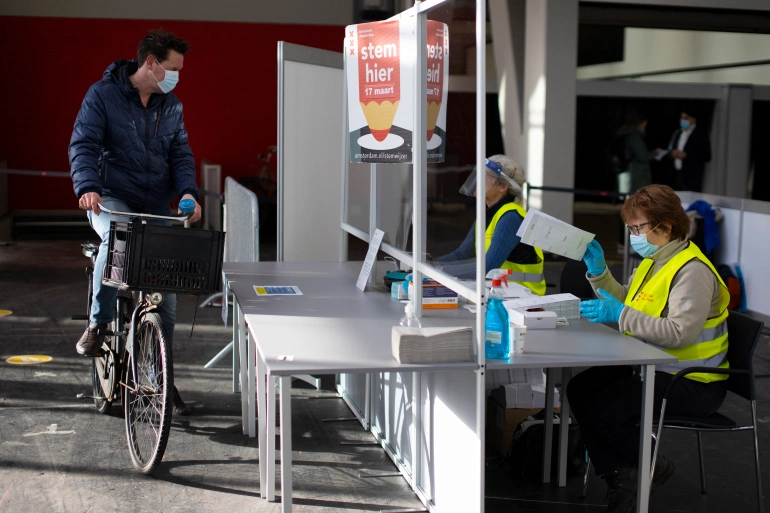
594 258
606 309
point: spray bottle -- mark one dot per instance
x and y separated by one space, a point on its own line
497 343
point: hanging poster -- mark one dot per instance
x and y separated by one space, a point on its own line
380 67
438 78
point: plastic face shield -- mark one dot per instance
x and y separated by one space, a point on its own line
493 171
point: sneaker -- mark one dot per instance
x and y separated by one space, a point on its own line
664 469
621 491
90 343
180 408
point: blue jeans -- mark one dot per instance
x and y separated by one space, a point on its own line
103 304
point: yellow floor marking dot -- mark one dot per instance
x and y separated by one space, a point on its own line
3 313
28 359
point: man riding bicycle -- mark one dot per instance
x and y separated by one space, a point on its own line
129 152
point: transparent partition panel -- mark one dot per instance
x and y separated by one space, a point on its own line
358 196
451 136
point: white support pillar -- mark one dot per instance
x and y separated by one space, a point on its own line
538 112
507 24
550 70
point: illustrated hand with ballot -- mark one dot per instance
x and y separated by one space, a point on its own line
605 309
594 258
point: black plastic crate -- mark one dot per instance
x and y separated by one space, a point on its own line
164 259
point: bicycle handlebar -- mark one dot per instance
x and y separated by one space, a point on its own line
180 219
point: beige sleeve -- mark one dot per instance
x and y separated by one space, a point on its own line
693 297
608 282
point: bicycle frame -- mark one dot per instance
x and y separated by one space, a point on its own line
143 305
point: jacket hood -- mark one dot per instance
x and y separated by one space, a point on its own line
114 71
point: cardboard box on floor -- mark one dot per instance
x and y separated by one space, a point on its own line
504 422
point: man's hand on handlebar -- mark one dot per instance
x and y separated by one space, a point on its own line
90 201
197 213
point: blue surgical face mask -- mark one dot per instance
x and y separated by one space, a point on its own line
642 246
170 80
684 124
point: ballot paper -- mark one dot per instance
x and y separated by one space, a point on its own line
553 235
661 154
432 345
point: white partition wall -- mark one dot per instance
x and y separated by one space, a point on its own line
742 242
309 152
392 415
754 249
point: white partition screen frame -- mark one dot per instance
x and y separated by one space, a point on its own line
308 152
417 258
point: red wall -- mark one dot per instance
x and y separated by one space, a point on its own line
228 87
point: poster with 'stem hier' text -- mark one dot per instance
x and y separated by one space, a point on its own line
380 65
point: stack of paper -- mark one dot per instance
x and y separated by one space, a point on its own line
432 345
565 305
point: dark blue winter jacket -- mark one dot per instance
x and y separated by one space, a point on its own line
123 149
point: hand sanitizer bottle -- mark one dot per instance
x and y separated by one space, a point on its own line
409 320
497 343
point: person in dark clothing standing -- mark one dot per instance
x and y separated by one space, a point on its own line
637 173
129 153
689 150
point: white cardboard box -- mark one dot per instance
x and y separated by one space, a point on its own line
534 320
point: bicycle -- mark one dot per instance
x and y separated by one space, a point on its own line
136 366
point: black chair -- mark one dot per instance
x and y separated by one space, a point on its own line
743 335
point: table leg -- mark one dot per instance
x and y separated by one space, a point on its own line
566 375
242 355
262 421
237 365
645 441
548 435
251 354
270 439
285 444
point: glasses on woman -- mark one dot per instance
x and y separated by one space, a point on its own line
636 228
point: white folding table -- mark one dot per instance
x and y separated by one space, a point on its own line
335 328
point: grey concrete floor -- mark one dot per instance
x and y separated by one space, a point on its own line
58 454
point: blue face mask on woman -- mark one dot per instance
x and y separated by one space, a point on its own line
642 246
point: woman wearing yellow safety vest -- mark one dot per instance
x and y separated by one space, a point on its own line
676 301
505 213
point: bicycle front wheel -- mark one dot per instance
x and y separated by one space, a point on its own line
148 394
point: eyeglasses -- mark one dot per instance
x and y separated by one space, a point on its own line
635 228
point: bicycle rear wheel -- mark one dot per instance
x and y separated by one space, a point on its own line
148 394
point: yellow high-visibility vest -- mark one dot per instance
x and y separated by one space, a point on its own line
710 348
529 275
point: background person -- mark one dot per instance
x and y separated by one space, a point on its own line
676 301
689 150
637 173
129 152
505 213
